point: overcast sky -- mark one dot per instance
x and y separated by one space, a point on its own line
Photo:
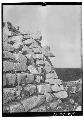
60 26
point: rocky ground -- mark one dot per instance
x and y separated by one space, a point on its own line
30 82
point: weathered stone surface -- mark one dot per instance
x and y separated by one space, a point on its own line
31 102
37 50
16 107
44 88
37 36
32 69
8 47
20 67
8 94
8 66
38 56
21 78
20 58
29 78
10 79
54 104
4 79
30 88
28 42
38 78
47 67
7 55
25 78
40 109
57 87
49 97
61 94
39 62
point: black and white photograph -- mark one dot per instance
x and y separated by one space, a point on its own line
41 59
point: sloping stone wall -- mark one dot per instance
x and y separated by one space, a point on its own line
30 83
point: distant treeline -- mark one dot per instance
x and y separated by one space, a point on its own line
69 74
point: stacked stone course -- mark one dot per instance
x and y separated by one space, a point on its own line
30 83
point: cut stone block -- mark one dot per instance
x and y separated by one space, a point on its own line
32 69
57 87
61 94
37 50
29 78
20 67
10 79
44 88
47 67
39 62
37 36
7 55
8 66
20 58
4 79
21 78
16 107
9 94
30 88
49 97
38 56
31 102
8 47
28 42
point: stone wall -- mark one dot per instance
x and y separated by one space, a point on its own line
30 83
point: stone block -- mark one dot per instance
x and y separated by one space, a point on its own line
39 62
7 55
20 67
4 79
29 78
31 89
32 69
57 87
8 66
16 107
10 79
44 88
49 97
61 94
31 102
20 58
9 94
40 109
8 47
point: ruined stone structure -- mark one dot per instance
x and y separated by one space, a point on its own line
30 83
